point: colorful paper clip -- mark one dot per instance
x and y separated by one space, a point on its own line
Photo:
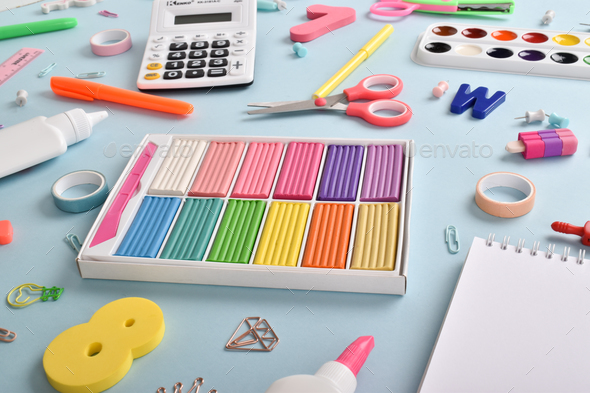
46 293
47 70
74 241
7 336
108 14
452 230
91 75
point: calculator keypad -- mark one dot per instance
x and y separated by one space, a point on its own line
202 57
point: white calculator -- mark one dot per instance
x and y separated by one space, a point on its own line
199 43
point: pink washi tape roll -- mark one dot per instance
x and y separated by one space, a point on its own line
505 209
122 36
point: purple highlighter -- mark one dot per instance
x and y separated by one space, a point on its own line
341 175
383 174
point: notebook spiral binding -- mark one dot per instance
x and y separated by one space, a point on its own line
535 249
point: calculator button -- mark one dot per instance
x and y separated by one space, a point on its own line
240 42
178 46
159 47
151 76
217 62
238 67
157 56
198 54
220 44
200 37
176 55
179 38
239 52
196 64
241 34
154 66
160 39
214 72
221 35
219 53
195 73
174 65
200 45
173 75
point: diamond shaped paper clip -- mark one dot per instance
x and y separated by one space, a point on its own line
259 331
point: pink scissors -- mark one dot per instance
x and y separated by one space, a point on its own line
477 7
380 100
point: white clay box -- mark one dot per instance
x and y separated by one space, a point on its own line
271 212
538 52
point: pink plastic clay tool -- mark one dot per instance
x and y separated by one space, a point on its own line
545 143
324 20
110 223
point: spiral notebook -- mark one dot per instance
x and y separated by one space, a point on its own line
519 321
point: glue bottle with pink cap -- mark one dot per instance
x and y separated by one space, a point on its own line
338 376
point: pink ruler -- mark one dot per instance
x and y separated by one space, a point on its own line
110 223
17 62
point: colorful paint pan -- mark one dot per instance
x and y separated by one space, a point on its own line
444 31
502 49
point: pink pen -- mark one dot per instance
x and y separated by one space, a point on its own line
337 376
110 223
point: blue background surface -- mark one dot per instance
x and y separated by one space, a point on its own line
313 326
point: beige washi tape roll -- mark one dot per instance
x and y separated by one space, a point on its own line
505 209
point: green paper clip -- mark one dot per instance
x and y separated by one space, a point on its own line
46 293
452 230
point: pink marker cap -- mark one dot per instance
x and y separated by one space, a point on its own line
355 354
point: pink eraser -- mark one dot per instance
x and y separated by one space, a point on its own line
570 142
355 355
299 171
258 170
6 232
218 169
324 19
534 147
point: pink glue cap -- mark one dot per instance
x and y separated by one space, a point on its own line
355 354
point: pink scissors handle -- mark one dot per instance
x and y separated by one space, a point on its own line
366 111
401 8
362 91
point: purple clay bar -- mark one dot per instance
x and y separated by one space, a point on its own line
553 143
383 174
341 173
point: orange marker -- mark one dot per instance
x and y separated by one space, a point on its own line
329 234
90 91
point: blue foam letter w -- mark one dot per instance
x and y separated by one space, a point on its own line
482 106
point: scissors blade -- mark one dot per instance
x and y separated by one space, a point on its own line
292 107
272 104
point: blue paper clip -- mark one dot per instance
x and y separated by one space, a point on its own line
74 241
452 229
91 75
47 70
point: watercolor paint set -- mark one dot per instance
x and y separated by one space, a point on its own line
272 212
557 54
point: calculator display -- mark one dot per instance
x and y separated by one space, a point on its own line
202 18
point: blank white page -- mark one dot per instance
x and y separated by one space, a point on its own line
516 323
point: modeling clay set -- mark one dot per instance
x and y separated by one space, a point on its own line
332 214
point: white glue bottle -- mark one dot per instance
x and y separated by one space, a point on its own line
40 138
337 376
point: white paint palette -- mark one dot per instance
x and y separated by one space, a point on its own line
546 53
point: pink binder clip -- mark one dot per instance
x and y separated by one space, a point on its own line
108 14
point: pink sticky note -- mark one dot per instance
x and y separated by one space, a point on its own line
258 170
218 169
299 171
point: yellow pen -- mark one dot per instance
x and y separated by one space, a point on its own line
361 56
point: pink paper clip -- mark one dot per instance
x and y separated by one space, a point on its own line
108 14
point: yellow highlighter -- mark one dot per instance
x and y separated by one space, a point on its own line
361 56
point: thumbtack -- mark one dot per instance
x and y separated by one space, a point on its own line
299 49
266 5
440 89
558 121
531 116
548 17
21 97
570 229
108 14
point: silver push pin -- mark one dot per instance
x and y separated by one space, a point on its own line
21 97
548 17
